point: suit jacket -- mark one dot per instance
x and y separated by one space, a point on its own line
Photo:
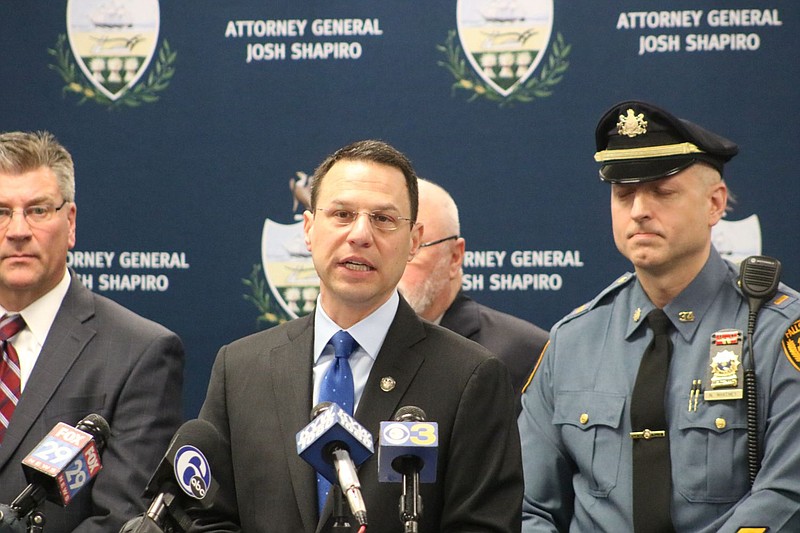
514 341
99 358
259 397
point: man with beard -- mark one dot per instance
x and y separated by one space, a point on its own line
432 285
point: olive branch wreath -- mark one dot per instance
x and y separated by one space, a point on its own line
536 87
270 314
157 80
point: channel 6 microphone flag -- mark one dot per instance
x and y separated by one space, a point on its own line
408 439
67 456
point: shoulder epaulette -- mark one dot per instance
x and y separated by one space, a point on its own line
785 300
588 306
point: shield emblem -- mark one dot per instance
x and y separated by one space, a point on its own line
288 267
113 41
736 240
504 40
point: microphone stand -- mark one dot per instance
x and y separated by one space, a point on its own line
340 523
36 522
410 503
12 522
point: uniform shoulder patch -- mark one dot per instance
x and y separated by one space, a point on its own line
791 344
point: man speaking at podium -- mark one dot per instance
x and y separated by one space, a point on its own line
361 230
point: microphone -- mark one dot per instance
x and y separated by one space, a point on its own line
334 443
407 452
63 462
182 479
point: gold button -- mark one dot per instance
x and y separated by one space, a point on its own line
720 423
584 418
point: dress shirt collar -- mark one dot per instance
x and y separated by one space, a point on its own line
369 333
39 315
696 298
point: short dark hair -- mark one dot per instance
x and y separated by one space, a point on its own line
376 152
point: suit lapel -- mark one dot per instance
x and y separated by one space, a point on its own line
66 340
291 366
398 361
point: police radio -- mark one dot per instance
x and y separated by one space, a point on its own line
759 277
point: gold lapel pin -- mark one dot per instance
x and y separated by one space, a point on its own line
387 384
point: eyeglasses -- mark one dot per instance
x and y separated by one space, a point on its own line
379 220
35 215
434 243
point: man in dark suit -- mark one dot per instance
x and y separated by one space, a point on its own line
361 229
77 353
431 284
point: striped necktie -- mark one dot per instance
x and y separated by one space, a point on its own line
10 382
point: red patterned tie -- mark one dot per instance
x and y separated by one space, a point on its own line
10 384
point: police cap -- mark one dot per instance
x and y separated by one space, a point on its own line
638 142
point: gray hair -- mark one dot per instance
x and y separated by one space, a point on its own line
22 152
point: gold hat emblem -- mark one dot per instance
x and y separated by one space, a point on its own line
632 124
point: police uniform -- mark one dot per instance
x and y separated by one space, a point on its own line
575 424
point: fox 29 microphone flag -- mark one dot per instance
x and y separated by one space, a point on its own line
66 459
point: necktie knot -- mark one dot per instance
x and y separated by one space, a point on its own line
658 321
10 325
343 344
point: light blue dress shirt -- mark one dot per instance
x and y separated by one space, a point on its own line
368 333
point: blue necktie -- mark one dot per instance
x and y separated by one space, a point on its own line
337 387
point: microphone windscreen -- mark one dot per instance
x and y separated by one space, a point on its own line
409 413
97 427
187 462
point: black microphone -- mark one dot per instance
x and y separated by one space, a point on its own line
334 443
63 462
182 480
408 446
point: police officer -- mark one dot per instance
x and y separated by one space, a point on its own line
632 422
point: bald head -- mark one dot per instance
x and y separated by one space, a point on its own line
438 211
432 279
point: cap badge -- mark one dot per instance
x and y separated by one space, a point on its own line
632 124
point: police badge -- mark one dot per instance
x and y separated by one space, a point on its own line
725 368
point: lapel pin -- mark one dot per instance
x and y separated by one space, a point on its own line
387 384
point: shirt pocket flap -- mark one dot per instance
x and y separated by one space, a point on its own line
588 409
719 417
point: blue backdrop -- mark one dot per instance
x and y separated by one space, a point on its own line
190 122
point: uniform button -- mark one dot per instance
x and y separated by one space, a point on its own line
584 418
720 423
